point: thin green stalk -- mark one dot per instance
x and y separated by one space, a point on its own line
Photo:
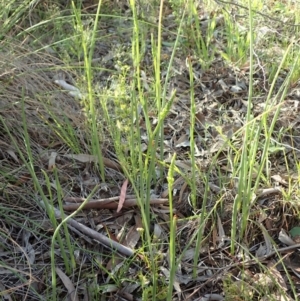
166 86
54 224
249 167
159 99
268 130
30 156
192 139
90 105
194 169
12 13
66 133
48 210
56 233
37 184
70 248
30 167
202 218
243 197
173 219
147 168
203 44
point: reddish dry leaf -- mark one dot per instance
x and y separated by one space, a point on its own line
123 195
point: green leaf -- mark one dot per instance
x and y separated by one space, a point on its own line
294 232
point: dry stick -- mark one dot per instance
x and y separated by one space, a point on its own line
109 204
81 200
107 242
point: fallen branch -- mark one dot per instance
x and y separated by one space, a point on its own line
110 204
107 242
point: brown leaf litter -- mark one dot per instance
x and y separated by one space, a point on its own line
103 238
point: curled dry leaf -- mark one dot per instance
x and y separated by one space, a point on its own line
73 91
176 185
113 265
52 158
31 253
266 248
132 237
11 152
183 141
157 232
211 297
279 179
9 149
84 158
285 239
68 284
223 85
221 237
176 283
181 192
